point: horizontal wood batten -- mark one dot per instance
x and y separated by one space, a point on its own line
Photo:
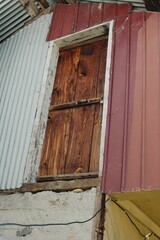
79 103
56 186
67 177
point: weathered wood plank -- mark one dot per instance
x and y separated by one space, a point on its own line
30 7
62 185
61 128
69 146
57 186
80 140
79 103
87 72
95 150
44 3
96 133
67 177
102 67
98 222
66 77
43 168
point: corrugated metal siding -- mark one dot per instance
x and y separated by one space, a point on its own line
22 64
137 4
132 158
12 17
68 19
133 132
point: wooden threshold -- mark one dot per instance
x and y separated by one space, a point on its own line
56 186
67 177
79 103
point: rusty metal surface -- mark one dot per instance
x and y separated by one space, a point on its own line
133 137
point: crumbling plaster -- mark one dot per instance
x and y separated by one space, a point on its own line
47 207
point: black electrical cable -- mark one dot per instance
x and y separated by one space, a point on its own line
53 224
79 222
128 217
144 236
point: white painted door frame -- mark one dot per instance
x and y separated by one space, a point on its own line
39 127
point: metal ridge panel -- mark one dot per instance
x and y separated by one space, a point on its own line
133 138
22 64
12 17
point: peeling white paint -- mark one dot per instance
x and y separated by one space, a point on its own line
46 90
106 94
41 115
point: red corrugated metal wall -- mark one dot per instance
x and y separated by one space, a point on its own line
132 153
132 157
68 18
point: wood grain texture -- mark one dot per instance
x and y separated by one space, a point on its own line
80 103
80 140
96 134
66 77
56 186
72 140
67 177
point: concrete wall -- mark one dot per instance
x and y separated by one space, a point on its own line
47 207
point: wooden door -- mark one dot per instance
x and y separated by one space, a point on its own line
72 139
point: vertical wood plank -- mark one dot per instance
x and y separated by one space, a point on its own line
80 140
95 144
101 68
61 125
66 77
69 143
83 16
95 150
43 168
97 230
87 71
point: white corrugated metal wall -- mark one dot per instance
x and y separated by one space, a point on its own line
12 17
22 62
